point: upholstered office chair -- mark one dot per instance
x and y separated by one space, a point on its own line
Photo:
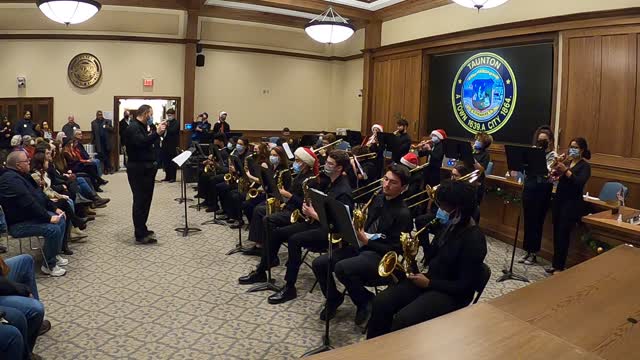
489 169
610 190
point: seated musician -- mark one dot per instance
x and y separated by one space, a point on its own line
306 164
387 217
366 171
308 234
287 138
326 140
208 181
482 158
455 261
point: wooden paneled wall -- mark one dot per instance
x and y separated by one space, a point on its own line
601 102
397 84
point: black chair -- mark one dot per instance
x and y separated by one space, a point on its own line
483 279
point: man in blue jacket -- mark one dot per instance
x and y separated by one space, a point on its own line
29 212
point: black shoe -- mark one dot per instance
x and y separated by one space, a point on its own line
164 180
102 182
99 190
252 251
254 277
151 234
220 212
363 314
101 202
237 225
550 270
287 293
3 249
222 217
332 309
147 240
91 218
67 251
532 260
44 327
524 258
171 181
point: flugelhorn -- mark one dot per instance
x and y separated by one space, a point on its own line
390 263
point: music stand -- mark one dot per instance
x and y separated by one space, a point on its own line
335 217
180 160
271 189
354 137
308 140
237 163
531 160
459 150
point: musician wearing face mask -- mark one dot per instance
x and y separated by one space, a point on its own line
455 260
306 164
170 142
387 217
222 126
481 158
307 234
568 203
212 182
434 150
536 198
201 128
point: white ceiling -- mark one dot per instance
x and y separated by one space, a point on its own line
376 5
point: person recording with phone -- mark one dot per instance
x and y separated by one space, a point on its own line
142 169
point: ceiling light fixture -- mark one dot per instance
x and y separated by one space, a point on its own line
67 11
329 28
480 4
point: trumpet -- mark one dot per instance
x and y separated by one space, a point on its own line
554 173
229 178
422 144
396 133
390 263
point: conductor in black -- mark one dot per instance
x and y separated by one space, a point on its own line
141 169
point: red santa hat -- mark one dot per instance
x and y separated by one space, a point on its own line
439 133
377 126
410 160
308 157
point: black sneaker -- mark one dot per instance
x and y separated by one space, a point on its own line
254 277
532 260
332 309
524 258
363 314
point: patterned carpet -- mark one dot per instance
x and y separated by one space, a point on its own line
179 299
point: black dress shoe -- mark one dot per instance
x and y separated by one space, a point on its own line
44 327
254 277
287 293
252 251
220 212
67 251
332 309
99 190
363 314
209 209
171 181
147 240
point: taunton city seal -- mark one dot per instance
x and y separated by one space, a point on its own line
484 93
84 70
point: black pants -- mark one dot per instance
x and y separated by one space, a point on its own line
358 271
564 220
256 224
249 206
231 200
405 304
271 224
141 177
106 160
170 168
536 198
321 266
207 189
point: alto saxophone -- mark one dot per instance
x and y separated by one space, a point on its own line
360 215
296 215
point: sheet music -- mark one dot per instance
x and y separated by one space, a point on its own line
180 159
287 149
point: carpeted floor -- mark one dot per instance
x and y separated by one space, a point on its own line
180 299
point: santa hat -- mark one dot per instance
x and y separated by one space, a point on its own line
223 113
410 160
439 133
308 157
377 126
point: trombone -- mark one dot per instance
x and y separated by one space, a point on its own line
380 186
431 191
327 146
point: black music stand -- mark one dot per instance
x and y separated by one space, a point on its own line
237 164
459 150
335 217
271 189
531 160
181 160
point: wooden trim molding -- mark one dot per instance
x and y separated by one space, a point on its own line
408 7
281 53
95 38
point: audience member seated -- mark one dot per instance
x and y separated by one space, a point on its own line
29 212
19 292
77 135
77 164
28 144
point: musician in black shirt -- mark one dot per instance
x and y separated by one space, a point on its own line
481 158
455 264
387 217
142 169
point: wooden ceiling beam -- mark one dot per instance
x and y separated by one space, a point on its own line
314 7
408 7
253 16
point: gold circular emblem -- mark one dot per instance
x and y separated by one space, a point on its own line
85 70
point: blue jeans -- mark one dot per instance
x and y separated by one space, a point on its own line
86 189
97 162
52 233
13 336
22 270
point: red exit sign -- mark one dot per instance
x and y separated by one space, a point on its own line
147 82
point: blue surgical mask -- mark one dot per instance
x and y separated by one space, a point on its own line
574 153
435 139
229 146
150 120
477 145
274 160
297 167
240 148
443 216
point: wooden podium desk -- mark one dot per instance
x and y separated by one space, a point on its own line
605 225
586 312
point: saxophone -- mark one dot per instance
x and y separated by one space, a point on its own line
296 215
360 215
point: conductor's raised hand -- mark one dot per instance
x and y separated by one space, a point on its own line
161 128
